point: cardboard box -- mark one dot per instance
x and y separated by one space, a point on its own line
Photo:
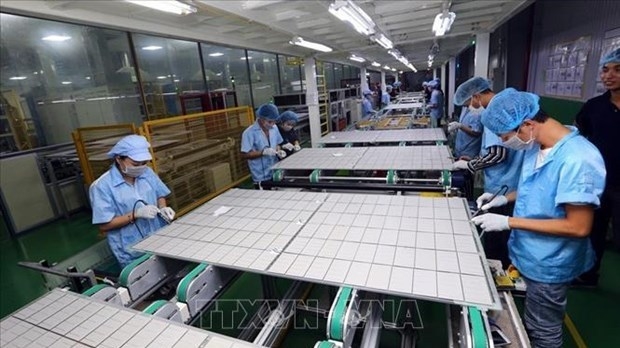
218 176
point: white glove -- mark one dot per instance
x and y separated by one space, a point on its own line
460 164
297 148
453 126
492 222
168 213
288 146
281 154
269 151
483 201
146 212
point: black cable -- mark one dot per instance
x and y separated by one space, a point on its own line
133 215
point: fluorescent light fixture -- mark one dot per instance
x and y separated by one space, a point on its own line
357 59
349 12
87 77
400 71
216 54
393 69
66 82
162 77
17 78
395 53
177 80
299 41
56 38
375 64
443 22
175 7
151 48
244 58
386 67
383 41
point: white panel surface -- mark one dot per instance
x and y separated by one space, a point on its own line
385 136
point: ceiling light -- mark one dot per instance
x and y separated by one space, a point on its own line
400 71
357 59
349 12
216 54
443 22
244 58
162 77
383 41
66 82
175 7
87 77
151 48
395 53
386 67
14 78
393 69
298 41
56 38
375 64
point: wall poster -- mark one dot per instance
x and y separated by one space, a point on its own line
564 75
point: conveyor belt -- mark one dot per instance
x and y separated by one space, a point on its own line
400 245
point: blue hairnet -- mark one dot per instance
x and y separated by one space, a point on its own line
366 92
425 84
470 87
268 111
508 109
611 57
288 116
388 88
133 146
433 84
397 84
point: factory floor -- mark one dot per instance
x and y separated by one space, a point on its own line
593 311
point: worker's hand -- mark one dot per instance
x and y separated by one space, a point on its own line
483 201
460 164
168 213
492 222
288 146
146 212
269 151
453 126
297 148
281 154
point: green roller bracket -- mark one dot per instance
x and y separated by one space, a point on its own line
391 177
348 145
325 344
94 289
124 278
314 176
402 143
478 333
336 330
446 178
187 280
277 175
153 307
439 142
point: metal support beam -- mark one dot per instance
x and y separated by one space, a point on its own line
312 100
452 88
481 58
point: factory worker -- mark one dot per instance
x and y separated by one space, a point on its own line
367 104
598 122
260 143
436 103
290 138
501 166
427 92
560 186
385 97
128 201
467 143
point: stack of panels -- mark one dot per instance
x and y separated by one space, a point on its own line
65 319
401 245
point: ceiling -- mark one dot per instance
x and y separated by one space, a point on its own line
269 25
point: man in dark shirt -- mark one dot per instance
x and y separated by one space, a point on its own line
598 121
290 138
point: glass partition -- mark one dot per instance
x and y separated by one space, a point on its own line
169 69
290 79
56 77
337 75
264 76
329 75
226 70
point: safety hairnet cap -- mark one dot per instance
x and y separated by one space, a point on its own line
288 116
611 57
470 87
433 84
388 88
397 84
268 111
424 84
508 109
366 92
133 146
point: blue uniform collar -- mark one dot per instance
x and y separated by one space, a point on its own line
549 158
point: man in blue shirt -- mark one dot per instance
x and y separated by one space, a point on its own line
436 103
468 131
598 122
128 198
367 104
562 179
260 144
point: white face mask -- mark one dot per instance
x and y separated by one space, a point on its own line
516 143
475 111
134 171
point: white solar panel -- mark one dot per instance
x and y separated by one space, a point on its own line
323 158
417 244
65 319
384 136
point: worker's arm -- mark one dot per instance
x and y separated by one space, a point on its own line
577 223
117 222
251 155
161 202
495 155
470 131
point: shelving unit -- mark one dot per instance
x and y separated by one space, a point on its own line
17 132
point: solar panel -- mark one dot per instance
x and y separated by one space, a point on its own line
66 319
401 245
384 136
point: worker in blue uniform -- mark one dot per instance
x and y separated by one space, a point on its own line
501 166
367 104
467 143
290 138
385 97
436 103
260 144
562 179
598 121
128 198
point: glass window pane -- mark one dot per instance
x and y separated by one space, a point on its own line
57 77
264 75
338 75
168 68
329 74
226 68
289 74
